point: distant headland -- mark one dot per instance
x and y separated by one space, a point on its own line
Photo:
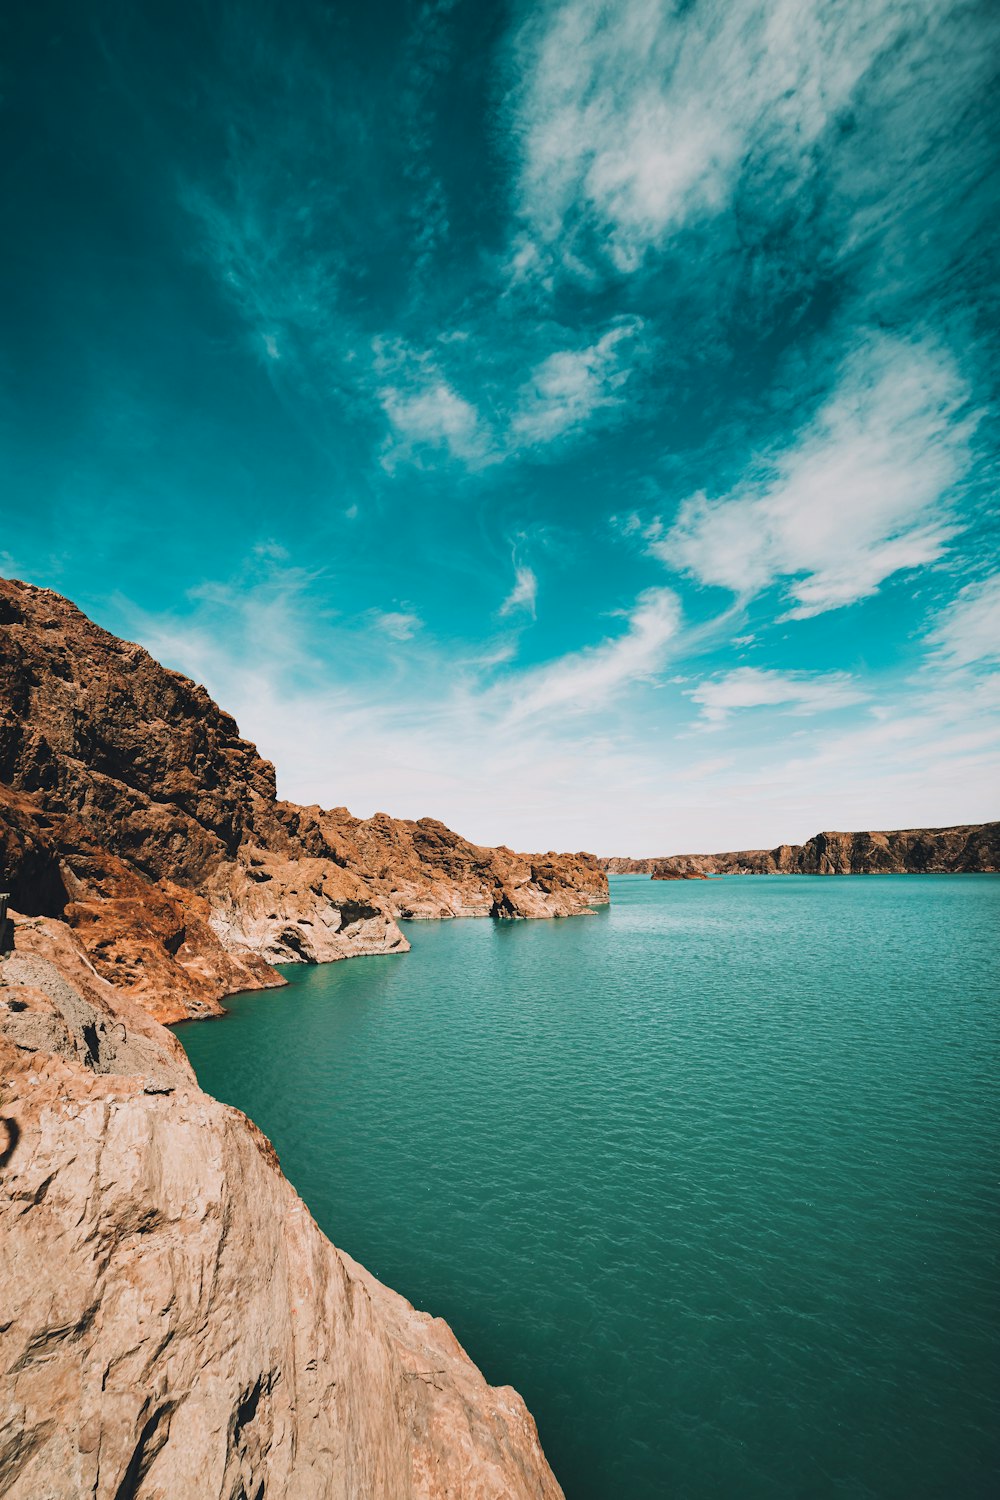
965 848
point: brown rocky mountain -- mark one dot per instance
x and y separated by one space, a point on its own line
422 869
131 808
174 1321
965 848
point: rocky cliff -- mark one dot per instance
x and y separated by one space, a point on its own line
965 848
423 869
174 1323
131 808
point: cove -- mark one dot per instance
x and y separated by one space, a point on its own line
710 1177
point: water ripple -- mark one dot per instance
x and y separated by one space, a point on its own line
711 1178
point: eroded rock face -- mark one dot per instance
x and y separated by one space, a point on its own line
422 869
153 940
131 808
174 1323
965 848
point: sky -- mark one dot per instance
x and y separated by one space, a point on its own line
574 421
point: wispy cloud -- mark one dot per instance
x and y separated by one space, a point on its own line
967 631
798 692
571 387
591 678
399 624
523 595
432 415
863 492
436 740
441 741
637 120
425 411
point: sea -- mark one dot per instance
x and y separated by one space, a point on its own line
712 1177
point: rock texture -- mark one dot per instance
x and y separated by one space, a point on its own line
131 808
965 848
174 1323
423 869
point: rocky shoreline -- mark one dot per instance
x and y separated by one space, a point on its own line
175 1322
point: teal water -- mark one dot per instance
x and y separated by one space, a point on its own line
711 1177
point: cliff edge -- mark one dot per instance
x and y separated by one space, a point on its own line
175 1323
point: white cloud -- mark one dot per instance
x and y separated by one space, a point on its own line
862 493
571 385
524 593
330 707
752 687
401 625
432 414
636 119
967 632
589 679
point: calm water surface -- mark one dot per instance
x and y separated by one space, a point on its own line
711 1177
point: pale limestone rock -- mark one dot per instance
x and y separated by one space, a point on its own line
174 1323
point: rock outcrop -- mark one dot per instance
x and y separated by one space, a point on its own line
131 808
422 869
174 1323
965 848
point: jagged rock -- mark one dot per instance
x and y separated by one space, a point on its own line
964 848
131 808
174 1323
422 869
154 940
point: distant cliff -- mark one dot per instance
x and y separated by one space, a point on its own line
965 848
131 808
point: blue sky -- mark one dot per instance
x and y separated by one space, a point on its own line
574 421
